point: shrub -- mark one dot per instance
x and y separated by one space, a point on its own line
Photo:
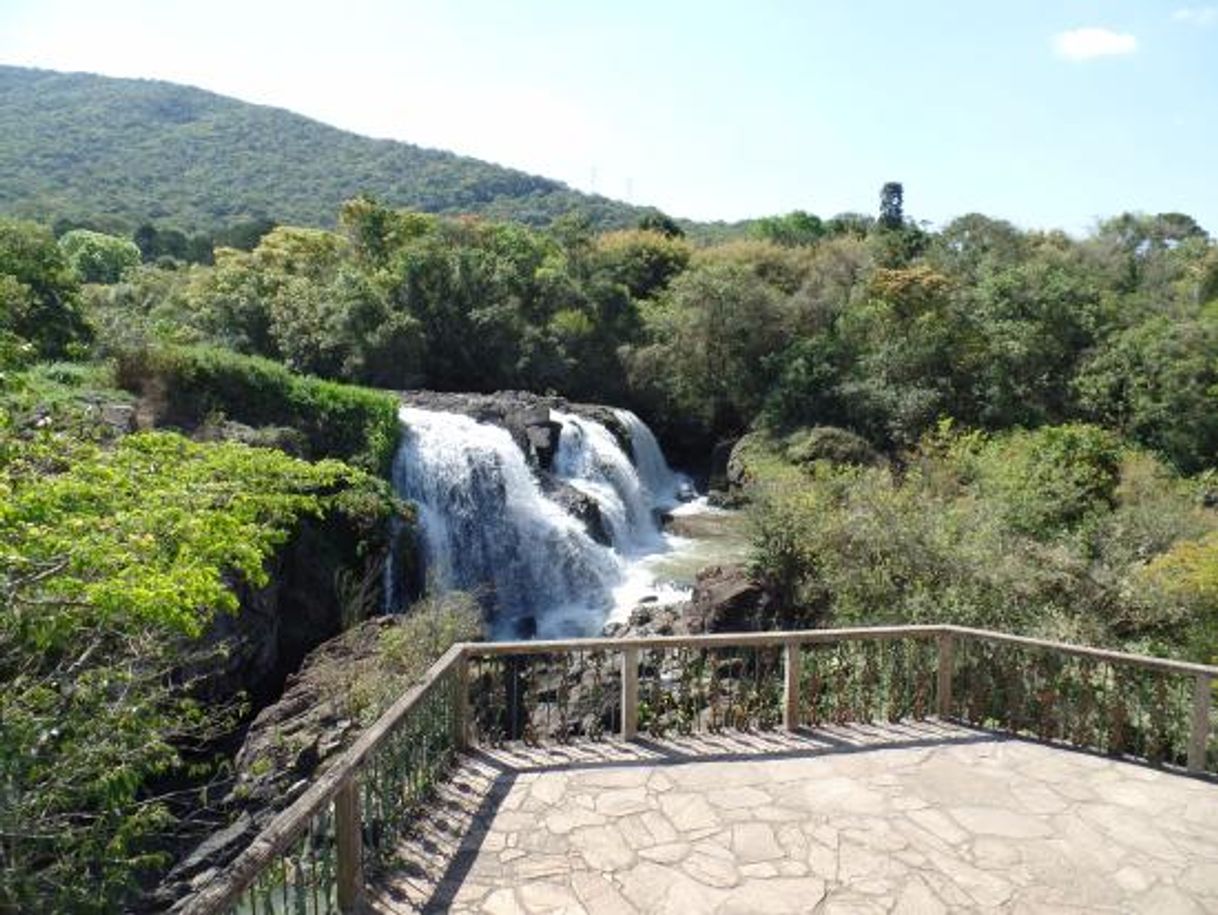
337 420
828 443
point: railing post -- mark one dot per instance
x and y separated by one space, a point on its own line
630 693
792 656
460 720
350 841
946 650
1199 739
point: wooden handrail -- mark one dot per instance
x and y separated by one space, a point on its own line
715 640
813 636
342 777
1083 651
224 889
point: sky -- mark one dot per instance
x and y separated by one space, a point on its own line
1048 114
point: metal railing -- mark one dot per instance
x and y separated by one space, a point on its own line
316 856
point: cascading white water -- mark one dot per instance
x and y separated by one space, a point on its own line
664 487
487 527
591 460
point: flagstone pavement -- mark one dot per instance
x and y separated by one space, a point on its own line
925 818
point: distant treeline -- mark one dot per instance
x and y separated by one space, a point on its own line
157 242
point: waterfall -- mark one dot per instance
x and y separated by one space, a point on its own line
487 527
664 487
591 460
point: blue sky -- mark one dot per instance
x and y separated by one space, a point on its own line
1046 114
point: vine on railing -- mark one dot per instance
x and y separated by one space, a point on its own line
314 857
690 690
866 681
400 773
1090 702
301 881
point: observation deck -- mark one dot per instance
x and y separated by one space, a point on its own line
905 769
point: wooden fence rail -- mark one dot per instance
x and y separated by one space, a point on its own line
316 855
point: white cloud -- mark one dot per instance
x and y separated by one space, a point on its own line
1089 43
1196 15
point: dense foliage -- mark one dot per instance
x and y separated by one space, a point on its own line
114 154
112 561
1059 532
198 385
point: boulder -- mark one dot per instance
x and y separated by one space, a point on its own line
720 455
726 598
650 618
737 472
543 441
578 505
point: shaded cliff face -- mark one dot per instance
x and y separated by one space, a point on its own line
328 576
325 579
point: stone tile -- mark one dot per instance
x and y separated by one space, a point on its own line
916 898
733 798
665 854
711 870
502 902
604 848
599 896
688 812
774 896
616 803
562 820
964 824
755 842
997 821
538 898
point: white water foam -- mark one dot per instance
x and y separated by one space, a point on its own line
488 528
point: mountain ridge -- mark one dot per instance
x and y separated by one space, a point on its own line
116 152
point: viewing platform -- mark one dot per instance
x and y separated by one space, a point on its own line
905 769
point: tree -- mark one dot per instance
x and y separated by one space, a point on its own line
643 261
1157 383
655 221
99 258
793 229
892 197
709 337
39 291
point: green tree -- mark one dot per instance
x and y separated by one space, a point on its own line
643 261
99 258
795 228
707 339
39 291
1157 383
892 206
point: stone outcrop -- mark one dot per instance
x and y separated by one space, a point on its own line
526 416
578 505
298 609
288 744
727 598
720 455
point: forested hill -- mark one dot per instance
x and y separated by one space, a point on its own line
114 153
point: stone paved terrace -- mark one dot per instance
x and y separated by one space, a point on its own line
924 818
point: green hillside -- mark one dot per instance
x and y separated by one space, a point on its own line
119 152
